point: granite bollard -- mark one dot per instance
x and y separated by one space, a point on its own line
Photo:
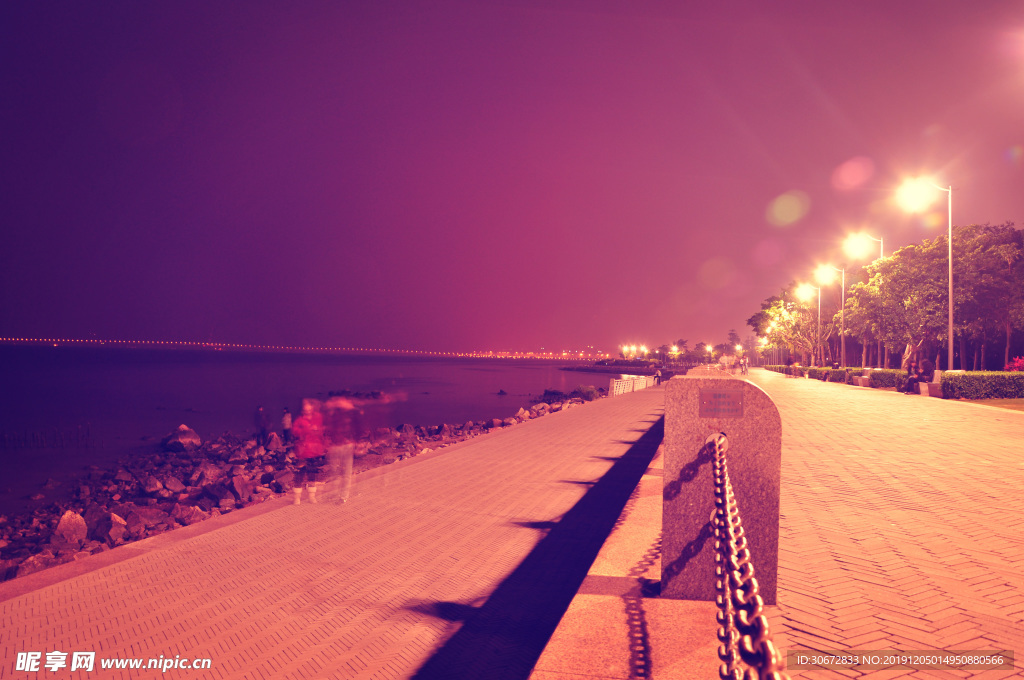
698 406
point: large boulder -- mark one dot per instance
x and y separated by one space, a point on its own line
182 439
71 528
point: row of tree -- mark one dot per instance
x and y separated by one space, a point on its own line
899 304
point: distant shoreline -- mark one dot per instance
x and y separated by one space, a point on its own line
191 346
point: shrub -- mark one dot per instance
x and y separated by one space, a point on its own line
982 385
837 375
1016 365
886 377
586 392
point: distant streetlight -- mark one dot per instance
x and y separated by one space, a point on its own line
915 195
825 274
805 292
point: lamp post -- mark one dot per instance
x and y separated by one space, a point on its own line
914 195
803 292
824 275
857 246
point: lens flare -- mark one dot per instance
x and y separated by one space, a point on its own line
788 208
1014 154
853 174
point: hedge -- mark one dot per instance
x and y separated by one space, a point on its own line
836 375
887 377
982 385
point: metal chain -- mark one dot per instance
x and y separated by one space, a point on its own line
742 624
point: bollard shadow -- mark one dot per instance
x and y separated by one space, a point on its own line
502 639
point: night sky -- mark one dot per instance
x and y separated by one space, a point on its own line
509 174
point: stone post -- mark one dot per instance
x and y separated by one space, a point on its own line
698 405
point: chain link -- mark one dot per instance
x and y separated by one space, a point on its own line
742 624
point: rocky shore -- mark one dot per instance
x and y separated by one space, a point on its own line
189 480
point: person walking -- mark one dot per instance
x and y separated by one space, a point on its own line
309 436
262 422
286 425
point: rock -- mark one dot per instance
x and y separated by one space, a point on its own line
173 484
285 478
135 525
151 485
219 493
92 515
206 473
540 408
36 563
111 529
36 497
124 476
468 426
495 422
240 487
182 439
274 443
71 528
239 456
509 421
188 515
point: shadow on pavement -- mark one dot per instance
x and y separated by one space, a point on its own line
503 639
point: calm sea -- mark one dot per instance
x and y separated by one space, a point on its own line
65 408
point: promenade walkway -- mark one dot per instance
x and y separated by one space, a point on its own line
451 565
902 523
901 529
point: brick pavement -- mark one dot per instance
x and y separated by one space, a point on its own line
445 566
901 524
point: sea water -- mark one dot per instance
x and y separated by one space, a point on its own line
64 408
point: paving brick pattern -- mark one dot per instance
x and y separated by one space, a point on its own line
372 588
901 524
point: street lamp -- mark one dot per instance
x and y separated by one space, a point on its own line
915 195
826 274
804 292
859 245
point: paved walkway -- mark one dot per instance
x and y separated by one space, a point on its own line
902 522
901 529
451 565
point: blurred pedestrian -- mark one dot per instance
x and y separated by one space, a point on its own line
262 422
342 428
286 425
308 429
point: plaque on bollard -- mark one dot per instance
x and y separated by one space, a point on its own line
696 408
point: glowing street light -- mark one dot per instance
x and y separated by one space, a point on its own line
915 195
858 246
805 292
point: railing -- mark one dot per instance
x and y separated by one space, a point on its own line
743 626
619 386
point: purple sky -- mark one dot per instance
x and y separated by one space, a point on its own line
477 175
